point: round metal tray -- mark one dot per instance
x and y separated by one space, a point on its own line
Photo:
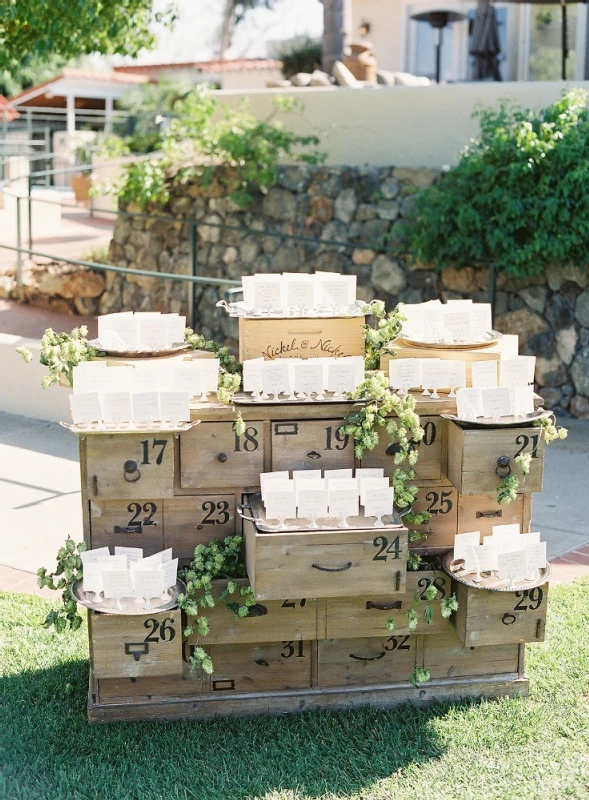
489 582
491 338
129 606
506 422
164 351
246 399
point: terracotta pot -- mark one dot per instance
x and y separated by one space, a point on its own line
81 187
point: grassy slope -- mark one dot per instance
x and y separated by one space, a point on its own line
523 748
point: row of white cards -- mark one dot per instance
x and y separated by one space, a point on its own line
514 555
128 574
139 408
148 330
302 378
338 495
456 321
435 373
197 376
494 403
298 291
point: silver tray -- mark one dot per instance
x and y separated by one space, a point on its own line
258 517
240 310
164 351
490 338
130 427
245 399
505 422
128 605
490 583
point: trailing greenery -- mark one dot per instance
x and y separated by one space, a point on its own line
201 138
304 56
519 196
230 368
68 571
213 561
388 326
61 352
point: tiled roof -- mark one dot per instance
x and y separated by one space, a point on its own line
11 113
214 66
83 75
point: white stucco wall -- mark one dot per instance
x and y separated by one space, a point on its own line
406 126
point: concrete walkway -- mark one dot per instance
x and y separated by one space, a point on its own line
40 500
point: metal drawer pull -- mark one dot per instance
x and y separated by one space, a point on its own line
313 454
222 457
136 649
95 485
397 581
257 610
242 512
538 628
129 528
332 569
489 514
262 663
508 619
368 658
384 606
502 470
130 468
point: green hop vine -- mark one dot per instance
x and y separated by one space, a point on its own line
230 368
61 352
388 326
216 560
68 571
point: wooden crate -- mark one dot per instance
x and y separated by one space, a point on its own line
492 618
127 466
506 347
357 617
432 450
360 662
316 337
268 621
445 656
344 563
212 455
441 500
260 666
147 645
473 454
481 512
311 444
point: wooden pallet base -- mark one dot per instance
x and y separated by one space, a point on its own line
384 696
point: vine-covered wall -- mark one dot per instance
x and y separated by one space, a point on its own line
356 209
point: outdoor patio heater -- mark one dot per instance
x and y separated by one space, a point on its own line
438 20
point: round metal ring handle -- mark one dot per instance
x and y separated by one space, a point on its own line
313 455
241 512
257 610
508 619
502 470
130 468
368 658
332 569
395 604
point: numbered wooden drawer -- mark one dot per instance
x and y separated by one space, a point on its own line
368 615
212 455
317 337
479 459
430 465
313 444
199 519
135 646
124 523
489 618
261 667
325 563
360 662
481 512
445 656
441 501
271 620
113 690
127 466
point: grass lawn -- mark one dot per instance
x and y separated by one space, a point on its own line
529 749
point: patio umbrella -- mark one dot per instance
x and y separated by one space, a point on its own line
438 20
484 44
564 32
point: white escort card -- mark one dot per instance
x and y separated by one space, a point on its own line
484 374
275 378
435 374
267 293
457 325
515 371
312 503
308 379
148 583
456 376
342 503
85 408
469 404
116 407
280 504
117 584
496 403
512 566
146 407
462 541
404 373
378 502
131 553
291 293
175 407
522 400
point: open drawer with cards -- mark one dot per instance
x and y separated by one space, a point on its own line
367 615
325 563
479 459
143 645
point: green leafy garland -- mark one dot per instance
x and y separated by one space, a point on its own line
387 328
216 560
68 571
61 352
230 368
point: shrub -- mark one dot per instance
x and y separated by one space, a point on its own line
304 56
519 197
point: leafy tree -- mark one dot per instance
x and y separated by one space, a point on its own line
41 28
234 12
519 197
29 72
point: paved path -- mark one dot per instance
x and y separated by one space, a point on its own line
40 500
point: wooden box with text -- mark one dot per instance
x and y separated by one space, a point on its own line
309 337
